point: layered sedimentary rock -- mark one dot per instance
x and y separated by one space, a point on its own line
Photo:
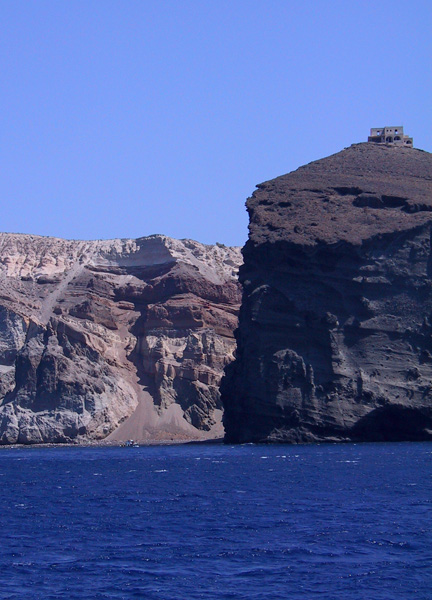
114 339
335 331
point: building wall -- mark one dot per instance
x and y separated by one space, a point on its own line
390 135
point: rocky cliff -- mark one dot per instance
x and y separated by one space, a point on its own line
114 339
335 333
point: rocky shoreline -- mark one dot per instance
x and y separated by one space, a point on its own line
111 340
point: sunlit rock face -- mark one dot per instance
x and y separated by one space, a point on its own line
114 339
335 330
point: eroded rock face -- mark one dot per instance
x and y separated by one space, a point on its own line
335 334
114 339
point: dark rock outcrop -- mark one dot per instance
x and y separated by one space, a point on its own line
114 339
335 332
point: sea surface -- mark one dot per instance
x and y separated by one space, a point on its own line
189 522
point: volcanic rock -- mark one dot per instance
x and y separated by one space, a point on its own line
335 332
114 339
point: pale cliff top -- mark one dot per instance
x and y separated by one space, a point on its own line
352 196
23 255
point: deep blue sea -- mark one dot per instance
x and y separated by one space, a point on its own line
189 522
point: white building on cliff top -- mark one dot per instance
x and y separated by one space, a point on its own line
390 135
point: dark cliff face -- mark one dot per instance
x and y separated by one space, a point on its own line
335 333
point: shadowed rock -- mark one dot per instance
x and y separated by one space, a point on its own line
335 336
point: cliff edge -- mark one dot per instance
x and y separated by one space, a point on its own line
335 330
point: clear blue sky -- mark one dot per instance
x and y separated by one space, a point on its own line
123 118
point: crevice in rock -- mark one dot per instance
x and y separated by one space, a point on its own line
429 262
